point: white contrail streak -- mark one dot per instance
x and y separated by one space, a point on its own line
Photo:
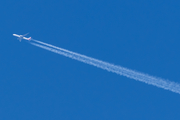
158 82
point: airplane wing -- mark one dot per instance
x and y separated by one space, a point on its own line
25 34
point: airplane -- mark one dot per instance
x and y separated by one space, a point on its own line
20 37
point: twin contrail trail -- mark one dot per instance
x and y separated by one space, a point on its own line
158 82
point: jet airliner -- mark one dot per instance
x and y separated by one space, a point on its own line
20 37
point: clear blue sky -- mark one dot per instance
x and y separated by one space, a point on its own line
36 84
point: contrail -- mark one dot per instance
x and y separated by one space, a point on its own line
158 82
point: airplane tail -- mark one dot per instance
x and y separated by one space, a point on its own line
29 38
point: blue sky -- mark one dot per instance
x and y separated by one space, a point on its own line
38 84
